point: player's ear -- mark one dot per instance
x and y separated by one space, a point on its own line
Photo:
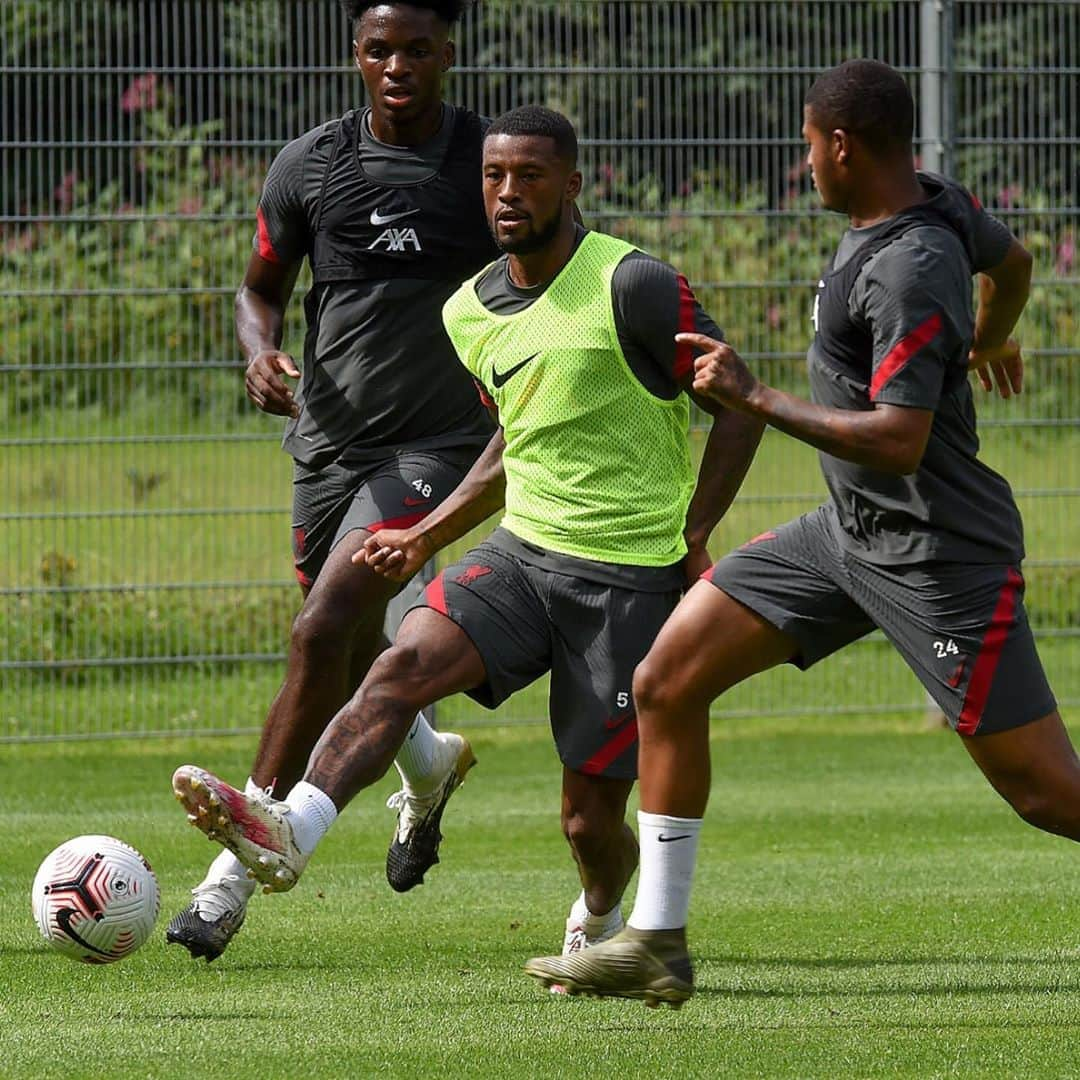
841 145
449 55
356 52
573 185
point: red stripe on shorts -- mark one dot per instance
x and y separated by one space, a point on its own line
982 674
607 753
435 595
903 351
403 522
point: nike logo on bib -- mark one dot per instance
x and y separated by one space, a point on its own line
499 378
378 219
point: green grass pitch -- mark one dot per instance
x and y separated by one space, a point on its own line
865 906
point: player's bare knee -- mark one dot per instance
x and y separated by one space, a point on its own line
320 631
655 690
1047 808
591 835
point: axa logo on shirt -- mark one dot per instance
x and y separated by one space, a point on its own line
396 240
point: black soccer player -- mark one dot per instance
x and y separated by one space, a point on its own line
385 204
919 538
571 336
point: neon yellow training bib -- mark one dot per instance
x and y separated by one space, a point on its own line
596 466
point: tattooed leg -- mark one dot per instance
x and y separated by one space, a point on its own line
431 659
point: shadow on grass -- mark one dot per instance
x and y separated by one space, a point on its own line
843 963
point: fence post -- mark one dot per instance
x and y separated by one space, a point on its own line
935 137
931 99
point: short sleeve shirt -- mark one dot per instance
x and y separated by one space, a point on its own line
914 297
379 373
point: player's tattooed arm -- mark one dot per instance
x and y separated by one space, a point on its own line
1003 292
397 554
890 438
729 449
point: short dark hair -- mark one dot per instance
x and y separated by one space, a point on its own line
536 120
867 98
447 10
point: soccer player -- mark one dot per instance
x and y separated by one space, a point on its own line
571 339
919 538
385 204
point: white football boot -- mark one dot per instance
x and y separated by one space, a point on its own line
255 828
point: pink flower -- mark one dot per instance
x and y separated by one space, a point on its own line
140 94
21 243
1066 255
1009 196
772 316
189 206
64 192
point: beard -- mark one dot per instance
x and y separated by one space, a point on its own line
536 239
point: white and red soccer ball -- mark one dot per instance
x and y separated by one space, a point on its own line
95 899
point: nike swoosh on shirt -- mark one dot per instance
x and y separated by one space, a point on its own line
385 219
668 839
499 378
410 501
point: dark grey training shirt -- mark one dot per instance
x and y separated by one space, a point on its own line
914 297
652 302
379 373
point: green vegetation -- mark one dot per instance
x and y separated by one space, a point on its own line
242 545
865 906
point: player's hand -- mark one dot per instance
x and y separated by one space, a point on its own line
720 372
1001 364
395 554
697 561
265 386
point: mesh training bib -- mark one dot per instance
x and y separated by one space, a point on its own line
596 466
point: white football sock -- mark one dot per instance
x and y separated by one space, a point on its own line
230 873
312 813
416 758
668 852
594 925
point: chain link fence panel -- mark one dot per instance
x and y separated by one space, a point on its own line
145 582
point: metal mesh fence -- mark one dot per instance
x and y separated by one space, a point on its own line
145 582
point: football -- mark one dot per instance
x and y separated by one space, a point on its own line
95 899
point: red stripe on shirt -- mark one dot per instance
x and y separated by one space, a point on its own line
623 740
684 354
266 249
982 674
903 351
435 595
